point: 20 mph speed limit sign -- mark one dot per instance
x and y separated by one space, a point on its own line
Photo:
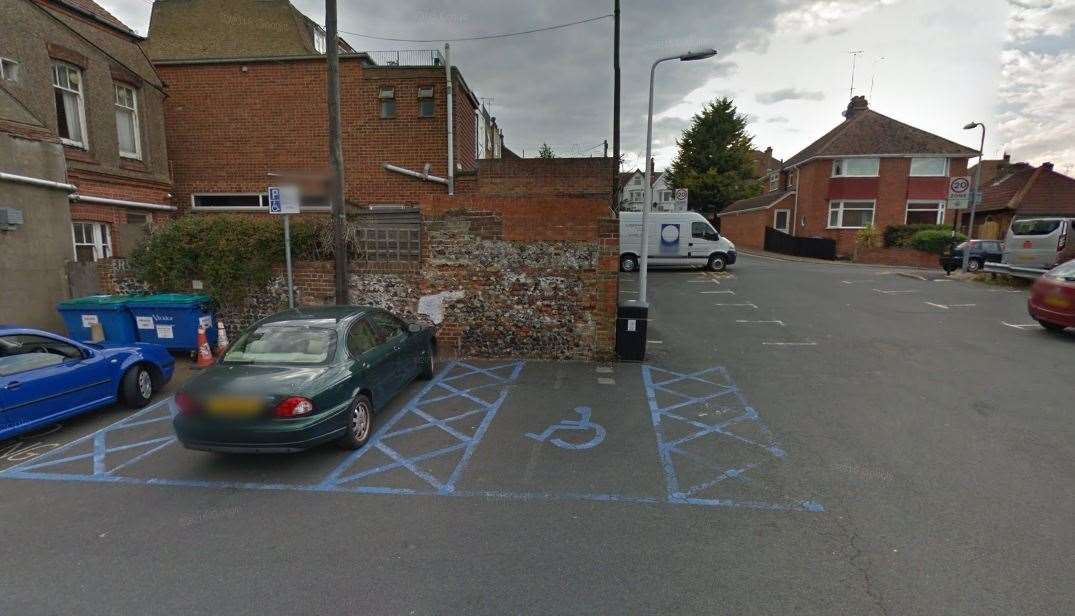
959 193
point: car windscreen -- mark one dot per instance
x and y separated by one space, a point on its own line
1035 227
284 345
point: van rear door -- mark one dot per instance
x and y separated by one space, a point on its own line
1033 242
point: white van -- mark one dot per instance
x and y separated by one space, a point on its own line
1040 243
675 238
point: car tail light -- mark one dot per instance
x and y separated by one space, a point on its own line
186 404
294 406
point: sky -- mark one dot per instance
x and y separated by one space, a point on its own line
935 64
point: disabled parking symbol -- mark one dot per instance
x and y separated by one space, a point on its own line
583 424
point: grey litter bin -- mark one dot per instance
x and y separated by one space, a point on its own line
631 320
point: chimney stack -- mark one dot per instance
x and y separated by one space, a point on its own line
857 105
1047 166
769 152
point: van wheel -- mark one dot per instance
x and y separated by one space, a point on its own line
628 263
717 263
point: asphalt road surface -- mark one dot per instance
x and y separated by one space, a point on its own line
804 438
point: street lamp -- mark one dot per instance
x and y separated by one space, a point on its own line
695 54
977 192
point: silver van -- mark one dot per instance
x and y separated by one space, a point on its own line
1040 243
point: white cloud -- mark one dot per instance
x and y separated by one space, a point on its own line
1037 123
826 17
788 94
1035 18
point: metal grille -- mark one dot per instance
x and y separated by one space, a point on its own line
406 57
394 235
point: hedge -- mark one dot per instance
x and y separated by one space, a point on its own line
899 236
935 240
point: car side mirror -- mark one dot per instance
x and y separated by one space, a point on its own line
414 328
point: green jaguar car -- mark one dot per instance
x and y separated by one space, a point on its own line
301 378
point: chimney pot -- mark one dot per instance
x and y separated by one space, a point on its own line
857 105
769 152
1048 166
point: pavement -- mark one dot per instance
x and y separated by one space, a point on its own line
802 438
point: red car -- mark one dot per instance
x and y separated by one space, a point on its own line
1052 298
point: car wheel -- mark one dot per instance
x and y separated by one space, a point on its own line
359 424
137 387
974 265
717 263
628 263
1053 327
429 367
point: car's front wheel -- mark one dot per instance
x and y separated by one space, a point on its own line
974 265
137 387
717 263
359 424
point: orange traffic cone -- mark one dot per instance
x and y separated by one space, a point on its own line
221 338
205 356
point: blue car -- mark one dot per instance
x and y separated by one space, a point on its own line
45 377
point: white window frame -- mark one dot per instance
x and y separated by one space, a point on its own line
776 213
320 41
101 241
426 93
636 196
936 202
85 143
791 179
840 206
137 153
387 93
942 174
9 69
774 180
841 165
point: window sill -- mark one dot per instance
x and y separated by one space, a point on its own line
833 177
844 228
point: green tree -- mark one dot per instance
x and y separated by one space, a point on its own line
714 160
545 151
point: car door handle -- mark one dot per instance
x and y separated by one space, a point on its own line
13 385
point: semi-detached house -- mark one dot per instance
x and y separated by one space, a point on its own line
869 170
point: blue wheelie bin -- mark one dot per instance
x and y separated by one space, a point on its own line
110 311
172 319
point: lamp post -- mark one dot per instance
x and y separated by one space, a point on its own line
699 54
977 192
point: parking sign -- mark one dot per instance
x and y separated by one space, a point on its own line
284 200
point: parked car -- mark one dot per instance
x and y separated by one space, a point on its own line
301 378
675 238
1052 298
981 252
1040 243
45 377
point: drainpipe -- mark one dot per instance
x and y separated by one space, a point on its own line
451 119
416 174
22 179
795 208
121 202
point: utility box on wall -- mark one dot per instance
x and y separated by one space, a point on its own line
10 218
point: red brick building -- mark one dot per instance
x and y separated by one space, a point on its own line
868 170
253 102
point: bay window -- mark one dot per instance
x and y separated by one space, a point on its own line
856 167
70 106
130 141
925 213
850 214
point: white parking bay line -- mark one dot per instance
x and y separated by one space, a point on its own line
944 307
743 305
1026 326
790 344
856 281
780 323
941 306
655 341
717 292
895 291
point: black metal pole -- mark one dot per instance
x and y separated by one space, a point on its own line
335 148
616 108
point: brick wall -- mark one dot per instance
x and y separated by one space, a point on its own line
97 185
747 230
578 177
897 256
231 124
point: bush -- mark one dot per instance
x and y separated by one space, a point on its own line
231 254
935 240
899 236
868 236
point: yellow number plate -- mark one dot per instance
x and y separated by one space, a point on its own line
1058 302
234 406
